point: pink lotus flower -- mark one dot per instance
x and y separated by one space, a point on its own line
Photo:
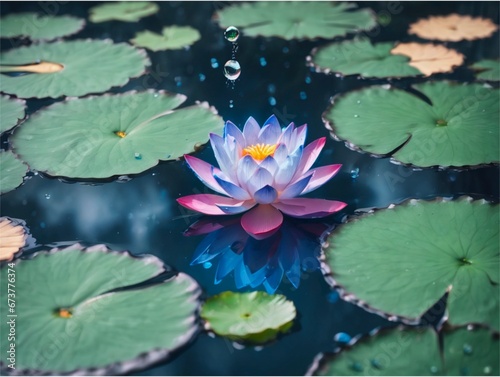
262 170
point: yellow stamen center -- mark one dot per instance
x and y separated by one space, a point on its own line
121 134
260 151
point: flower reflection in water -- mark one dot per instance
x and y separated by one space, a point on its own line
294 248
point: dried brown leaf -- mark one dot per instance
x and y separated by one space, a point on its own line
429 58
453 28
12 238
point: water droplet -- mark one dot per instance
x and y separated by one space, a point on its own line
231 104
357 367
354 173
376 364
232 34
434 369
137 156
262 61
271 88
303 95
201 77
155 95
487 370
168 156
332 297
342 337
467 349
358 102
308 80
47 196
272 101
214 63
232 69
356 116
207 265
470 327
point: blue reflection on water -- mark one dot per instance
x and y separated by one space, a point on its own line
292 250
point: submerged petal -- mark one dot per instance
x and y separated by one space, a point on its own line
203 171
320 176
309 208
209 203
262 221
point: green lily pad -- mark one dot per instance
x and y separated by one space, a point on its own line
488 70
11 111
171 38
74 317
303 20
403 259
39 27
119 134
253 317
128 11
73 68
12 172
460 127
360 57
415 352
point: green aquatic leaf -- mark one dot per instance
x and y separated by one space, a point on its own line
360 57
459 128
414 352
68 321
119 134
39 27
12 172
488 70
300 20
73 68
171 38
253 317
403 259
11 111
128 11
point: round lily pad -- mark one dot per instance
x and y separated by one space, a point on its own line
12 172
459 127
128 11
11 111
416 352
39 27
171 38
73 68
388 59
403 259
487 70
303 20
119 134
75 316
254 317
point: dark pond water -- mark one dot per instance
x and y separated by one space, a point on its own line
141 215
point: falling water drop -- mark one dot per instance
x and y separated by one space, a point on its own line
201 77
342 337
303 95
232 70
263 61
272 101
231 104
232 34
214 63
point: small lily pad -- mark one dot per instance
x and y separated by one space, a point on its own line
11 111
253 317
128 11
387 59
416 352
73 68
487 70
459 128
75 314
13 236
39 27
171 38
119 134
12 172
403 259
303 20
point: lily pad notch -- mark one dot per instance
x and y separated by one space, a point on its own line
135 325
